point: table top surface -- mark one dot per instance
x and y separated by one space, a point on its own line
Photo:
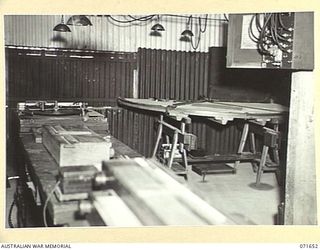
219 111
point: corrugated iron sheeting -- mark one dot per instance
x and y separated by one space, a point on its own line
97 78
222 139
178 75
169 74
40 74
135 129
108 35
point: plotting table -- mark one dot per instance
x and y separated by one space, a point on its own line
220 112
255 116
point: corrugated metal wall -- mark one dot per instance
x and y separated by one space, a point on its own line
178 75
96 78
135 129
108 35
172 74
100 77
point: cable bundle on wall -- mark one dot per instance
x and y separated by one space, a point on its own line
273 34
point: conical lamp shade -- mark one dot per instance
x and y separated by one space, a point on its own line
157 27
187 33
79 20
61 27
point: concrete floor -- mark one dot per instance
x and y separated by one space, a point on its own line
235 195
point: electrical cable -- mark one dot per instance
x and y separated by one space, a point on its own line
250 31
205 24
281 23
10 212
121 21
261 47
46 203
149 17
145 18
225 17
194 46
258 25
277 37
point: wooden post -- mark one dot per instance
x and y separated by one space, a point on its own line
300 189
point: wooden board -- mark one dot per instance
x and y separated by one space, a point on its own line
156 198
75 145
112 210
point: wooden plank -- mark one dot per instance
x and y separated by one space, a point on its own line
113 211
160 195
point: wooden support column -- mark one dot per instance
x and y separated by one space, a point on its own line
300 189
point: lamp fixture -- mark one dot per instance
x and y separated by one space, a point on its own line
61 27
158 26
79 20
187 34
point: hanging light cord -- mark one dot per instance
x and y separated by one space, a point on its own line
205 24
193 45
143 19
149 17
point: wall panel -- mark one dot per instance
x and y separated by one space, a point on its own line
167 74
94 77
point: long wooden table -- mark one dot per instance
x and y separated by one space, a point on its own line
44 171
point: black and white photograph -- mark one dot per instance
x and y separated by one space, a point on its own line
154 119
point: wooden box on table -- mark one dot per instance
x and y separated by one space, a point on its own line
75 145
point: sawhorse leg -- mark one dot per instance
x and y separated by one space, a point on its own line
173 149
243 140
253 149
159 134
262 163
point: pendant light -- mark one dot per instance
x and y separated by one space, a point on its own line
61 27
187 34
79 20
157 26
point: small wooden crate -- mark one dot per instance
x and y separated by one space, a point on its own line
75 145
